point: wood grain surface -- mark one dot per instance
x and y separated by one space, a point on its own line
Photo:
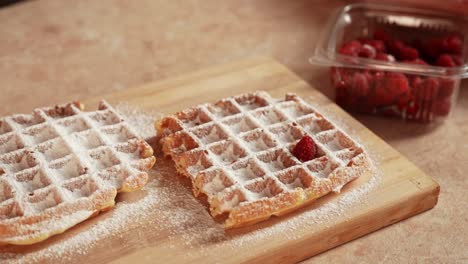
404 189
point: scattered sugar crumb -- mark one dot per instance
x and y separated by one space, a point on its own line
167 204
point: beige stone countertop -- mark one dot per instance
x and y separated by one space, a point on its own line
54 51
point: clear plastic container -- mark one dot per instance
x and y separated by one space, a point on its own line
356 47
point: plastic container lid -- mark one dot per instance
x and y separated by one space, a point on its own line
420 22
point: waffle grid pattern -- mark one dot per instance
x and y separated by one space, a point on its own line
61 160
238 152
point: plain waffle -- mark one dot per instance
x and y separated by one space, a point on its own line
237 152
60 166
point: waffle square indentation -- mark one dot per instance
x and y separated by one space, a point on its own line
40 133
103 158
295 110
6 191
81 187
88 139
227 152
287 134
196 161
277 160
44 199
18 161
9 143
118 133
10 210
258 141
213 181
322 167
239 124
105 118
24 121
246 170
5 127
71 125
315 124
335 141
193 117
295 178
53 149
263 188
32 180
59 112
223 108
268 116
210 134
251 102
68 167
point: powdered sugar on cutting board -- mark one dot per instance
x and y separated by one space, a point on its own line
166 203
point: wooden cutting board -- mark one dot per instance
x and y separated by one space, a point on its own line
402 191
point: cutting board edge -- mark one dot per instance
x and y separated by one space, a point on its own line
427 199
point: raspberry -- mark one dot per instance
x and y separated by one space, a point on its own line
380 97
378 45
360 85
407 53
384 57
404 100
445 60
396 83
402 105
379 76
376 80
369 77
431 49
351 48
341 99
446 88
457 60
341 96
395 47
427 90
411 109
346 75
452 44
367 51
415 82
442 108
305 149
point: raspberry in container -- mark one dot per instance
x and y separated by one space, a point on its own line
395 61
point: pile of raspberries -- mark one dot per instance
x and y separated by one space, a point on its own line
408 96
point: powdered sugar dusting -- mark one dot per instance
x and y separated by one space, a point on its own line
142 121
59 150
166 206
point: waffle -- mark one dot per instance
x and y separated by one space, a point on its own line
237 152
60 165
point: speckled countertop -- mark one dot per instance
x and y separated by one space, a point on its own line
53 51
